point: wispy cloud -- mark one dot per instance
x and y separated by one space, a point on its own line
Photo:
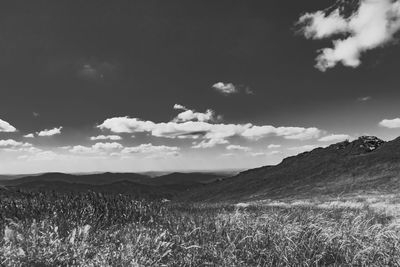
364 98
238 148
230 88
335 138
106 137
373 24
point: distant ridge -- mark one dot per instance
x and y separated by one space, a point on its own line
365 164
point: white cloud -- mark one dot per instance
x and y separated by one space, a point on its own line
194 129
13 143
106 137
393 123
179 107
50 132
150 148
210 143
194 125
190 115
225 88
6 127
335 138
31 135
372 25
273 146
298 133
238 148
271 153
98 148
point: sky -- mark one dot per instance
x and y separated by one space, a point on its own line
130 86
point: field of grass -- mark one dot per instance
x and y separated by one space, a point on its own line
89 229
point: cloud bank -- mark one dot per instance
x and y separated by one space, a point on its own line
199 127
373 24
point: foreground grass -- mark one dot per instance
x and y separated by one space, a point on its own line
97 230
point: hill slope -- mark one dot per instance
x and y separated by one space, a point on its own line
364 165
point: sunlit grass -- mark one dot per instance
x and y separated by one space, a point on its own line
97 230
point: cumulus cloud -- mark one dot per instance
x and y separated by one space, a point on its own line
179 107
238 148
212 134
50 132
106 137
190 115
335 138
98 148
225 88
373 24
6 127
31 135
392 123
13 143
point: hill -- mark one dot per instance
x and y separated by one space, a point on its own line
367 164
168 185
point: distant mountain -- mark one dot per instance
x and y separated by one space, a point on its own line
132 183
363 165
90 179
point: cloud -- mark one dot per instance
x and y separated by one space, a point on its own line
50 132
238 148
13 143
335 138
31 135
150 148
364 98
196 125
271 153
373 24
273 146
190 115
6 127
211 134
106 137
393 123
210 143
97 71
180 107
230 88
35 114
98 148
225 88
298 133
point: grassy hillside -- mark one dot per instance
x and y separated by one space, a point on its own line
364 165
89 229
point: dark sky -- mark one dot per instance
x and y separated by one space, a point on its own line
77 63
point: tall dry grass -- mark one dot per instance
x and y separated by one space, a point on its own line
97 230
